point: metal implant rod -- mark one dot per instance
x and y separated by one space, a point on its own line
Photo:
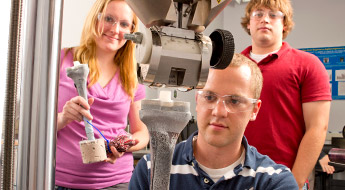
136 37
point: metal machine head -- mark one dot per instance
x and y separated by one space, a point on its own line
171 50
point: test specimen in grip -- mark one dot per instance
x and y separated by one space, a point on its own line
165 121
162 145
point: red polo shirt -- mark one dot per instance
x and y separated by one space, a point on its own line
291 77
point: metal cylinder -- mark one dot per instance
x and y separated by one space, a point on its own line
39 90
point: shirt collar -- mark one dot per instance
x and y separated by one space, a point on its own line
249 160
285 47
188 149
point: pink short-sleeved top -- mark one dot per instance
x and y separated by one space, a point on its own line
109 110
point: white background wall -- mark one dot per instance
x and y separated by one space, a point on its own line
74 14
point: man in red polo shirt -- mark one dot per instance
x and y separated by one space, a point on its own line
292 126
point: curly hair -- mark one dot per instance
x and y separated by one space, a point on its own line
276 5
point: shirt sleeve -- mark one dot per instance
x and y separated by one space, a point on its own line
140 179
322 154
316 84
140 93
284 181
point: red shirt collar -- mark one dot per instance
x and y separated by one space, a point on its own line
285 47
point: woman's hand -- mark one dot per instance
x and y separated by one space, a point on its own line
74 110
112 157
118 147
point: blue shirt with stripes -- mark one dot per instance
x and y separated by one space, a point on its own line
256 172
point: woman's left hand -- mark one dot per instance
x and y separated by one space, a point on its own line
112 157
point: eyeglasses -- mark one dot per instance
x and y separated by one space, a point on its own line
273 15
110 21
232 103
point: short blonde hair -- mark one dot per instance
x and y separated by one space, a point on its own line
256 75
124 58
276 5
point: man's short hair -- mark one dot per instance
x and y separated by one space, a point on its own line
256 75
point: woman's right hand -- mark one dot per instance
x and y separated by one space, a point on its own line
74 110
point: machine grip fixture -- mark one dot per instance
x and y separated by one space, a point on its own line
165 120
171 50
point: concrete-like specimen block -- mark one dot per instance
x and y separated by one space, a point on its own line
93 151
165 120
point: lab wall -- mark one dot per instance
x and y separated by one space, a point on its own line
74 14
318 23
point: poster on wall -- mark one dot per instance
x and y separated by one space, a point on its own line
334 60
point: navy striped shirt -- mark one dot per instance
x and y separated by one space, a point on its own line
257 172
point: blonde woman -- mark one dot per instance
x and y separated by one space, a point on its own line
114 98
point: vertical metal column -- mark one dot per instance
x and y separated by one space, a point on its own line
7 172
39 90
